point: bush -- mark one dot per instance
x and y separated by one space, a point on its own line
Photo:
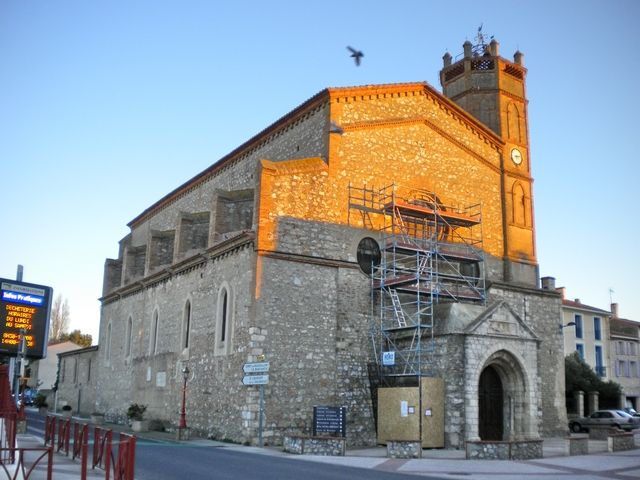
40 401
136 411
580 376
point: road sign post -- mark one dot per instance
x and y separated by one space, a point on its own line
257 375
255 379
256 367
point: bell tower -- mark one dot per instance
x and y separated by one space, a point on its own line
492 89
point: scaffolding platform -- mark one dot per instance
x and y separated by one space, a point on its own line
430 252
417 210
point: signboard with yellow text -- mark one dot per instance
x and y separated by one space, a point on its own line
24 307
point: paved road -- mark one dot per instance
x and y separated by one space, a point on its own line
159 457
157 460
170 462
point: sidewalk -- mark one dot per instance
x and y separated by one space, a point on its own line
64 468
450 464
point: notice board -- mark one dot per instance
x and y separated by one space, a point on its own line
24 307
330 421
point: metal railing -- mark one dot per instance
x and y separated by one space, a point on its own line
8 418
115 458
17 463
24 468
105 456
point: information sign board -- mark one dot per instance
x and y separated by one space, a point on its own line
329 421
257 367
24 307
389 358
255 379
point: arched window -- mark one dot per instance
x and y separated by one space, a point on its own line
223 326
127 338
519 201
186 325
513 123
108 344
224 321
153 337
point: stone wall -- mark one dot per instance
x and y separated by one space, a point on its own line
494 450
621 441
77 380
578 445
325 446
297 297
317 343
154 378
404 449
541 310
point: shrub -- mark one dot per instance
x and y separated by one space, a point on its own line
136 411
40 401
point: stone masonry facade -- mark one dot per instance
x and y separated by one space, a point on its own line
255 259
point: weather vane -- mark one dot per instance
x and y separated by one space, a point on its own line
480 46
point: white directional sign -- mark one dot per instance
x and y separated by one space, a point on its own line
388 358
255 379
257 367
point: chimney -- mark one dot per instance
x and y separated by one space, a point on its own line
466 46
494 47
577 300
614 310
548 283
562 291
446 59
518 58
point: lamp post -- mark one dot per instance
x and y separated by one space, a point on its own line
182 425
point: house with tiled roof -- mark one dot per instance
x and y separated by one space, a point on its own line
625 357
585 329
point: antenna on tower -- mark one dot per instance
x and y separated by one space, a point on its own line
481 46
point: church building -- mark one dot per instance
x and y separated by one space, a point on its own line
376 247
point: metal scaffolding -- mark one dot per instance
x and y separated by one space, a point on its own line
429 252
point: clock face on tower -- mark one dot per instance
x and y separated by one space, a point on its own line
516 156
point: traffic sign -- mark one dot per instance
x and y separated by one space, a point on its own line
255 379
257 367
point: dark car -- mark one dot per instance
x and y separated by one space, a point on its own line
28 395
605 418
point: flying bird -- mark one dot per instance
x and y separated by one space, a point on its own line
356 55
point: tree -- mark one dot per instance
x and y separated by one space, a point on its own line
77 337
578 375
60 315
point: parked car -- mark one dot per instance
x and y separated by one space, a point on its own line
28 395
631 412
605 418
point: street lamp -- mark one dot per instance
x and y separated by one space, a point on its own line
570 324
182 425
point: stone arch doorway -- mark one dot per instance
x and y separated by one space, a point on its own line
490 404
504 406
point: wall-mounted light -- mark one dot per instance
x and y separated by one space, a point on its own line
570 324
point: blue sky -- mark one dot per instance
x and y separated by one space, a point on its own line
107 106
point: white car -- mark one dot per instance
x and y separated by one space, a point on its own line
605 418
